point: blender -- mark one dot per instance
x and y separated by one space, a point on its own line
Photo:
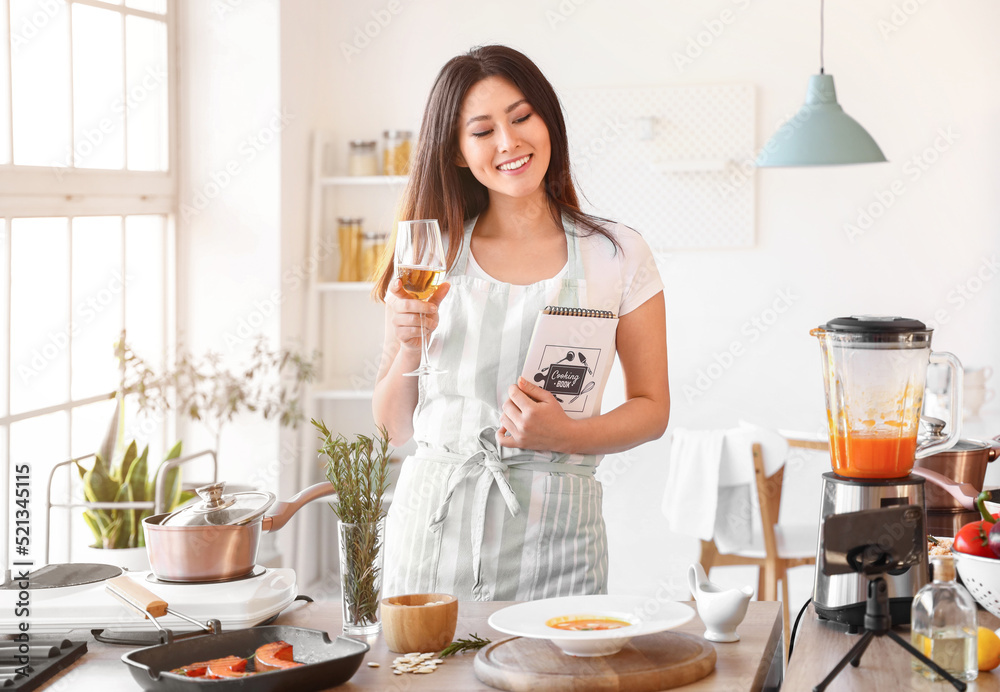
874 371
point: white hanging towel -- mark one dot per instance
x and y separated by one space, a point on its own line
710 491
692 491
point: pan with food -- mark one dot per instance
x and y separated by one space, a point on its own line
325 663
257 659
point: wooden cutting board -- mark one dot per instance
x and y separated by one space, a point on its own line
647 664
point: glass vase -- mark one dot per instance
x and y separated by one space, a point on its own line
361 549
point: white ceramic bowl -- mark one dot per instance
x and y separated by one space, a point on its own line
646 615
981 576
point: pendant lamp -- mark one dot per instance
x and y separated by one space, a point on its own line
821 133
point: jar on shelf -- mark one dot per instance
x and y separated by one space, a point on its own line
363 158
396 152
372 246
349 242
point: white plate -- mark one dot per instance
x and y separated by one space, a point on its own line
647 615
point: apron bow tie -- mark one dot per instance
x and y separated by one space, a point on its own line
487 465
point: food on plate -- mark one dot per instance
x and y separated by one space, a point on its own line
973 538
938 546
274 656
586 623
268 657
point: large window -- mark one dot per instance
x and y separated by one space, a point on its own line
87 195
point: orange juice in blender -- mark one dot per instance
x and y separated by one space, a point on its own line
873 374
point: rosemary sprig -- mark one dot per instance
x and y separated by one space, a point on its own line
474 643
359 472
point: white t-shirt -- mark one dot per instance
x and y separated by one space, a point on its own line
618 279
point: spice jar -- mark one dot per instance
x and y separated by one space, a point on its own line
372 246
362 159
349 241
396 152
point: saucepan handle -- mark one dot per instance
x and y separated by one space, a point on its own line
284 510
964 493
136 596
994 450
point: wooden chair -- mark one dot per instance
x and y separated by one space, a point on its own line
781 550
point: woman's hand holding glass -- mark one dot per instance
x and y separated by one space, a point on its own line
407 312
419 260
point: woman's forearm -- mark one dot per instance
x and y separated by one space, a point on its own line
636 421
395 397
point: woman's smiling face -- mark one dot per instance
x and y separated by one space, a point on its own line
502 140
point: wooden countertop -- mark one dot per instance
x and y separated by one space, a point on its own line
740 666
884 666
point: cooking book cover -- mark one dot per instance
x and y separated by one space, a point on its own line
570 355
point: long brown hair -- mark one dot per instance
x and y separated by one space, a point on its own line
440 189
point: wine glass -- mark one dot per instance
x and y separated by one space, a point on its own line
420 266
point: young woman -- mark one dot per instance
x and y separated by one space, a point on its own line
500 500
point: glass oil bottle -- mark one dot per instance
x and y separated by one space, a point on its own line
943 624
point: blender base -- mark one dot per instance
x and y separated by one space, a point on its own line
851 619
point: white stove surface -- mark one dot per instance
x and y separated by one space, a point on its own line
237 604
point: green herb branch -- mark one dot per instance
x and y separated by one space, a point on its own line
359 472
473 643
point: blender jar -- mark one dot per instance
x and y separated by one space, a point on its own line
874 371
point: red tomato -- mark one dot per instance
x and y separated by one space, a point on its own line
973 539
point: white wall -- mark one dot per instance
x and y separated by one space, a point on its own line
905 86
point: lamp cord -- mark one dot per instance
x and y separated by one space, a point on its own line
821 36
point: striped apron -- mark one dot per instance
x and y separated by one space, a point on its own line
468 517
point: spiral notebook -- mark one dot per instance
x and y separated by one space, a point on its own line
570 355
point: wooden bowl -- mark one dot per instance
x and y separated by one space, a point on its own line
419 623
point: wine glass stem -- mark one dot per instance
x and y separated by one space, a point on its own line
423 343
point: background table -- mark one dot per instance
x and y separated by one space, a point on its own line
884 666
741 666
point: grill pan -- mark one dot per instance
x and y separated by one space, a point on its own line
327 663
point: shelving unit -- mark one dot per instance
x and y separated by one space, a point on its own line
348 370
344 324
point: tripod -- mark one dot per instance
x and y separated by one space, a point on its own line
878 623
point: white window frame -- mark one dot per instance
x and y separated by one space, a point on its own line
33 191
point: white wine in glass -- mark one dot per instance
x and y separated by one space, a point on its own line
419 267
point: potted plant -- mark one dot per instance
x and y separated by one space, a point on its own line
359 472
206 390
119 474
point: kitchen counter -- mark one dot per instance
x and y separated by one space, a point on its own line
741 666
884 666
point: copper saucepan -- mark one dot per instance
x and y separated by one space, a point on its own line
218 538
965 462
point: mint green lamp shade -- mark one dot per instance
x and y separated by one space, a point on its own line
820 134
